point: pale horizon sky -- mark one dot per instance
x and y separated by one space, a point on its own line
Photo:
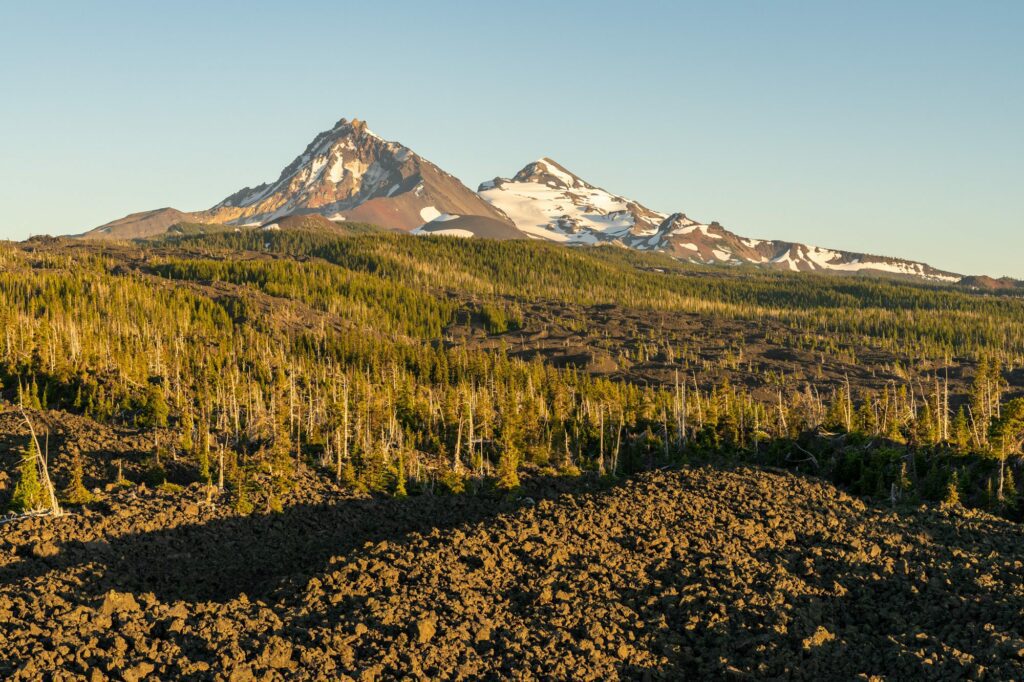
893 128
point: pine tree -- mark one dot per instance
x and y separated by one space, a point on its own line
154 410
203 457
1010 492
76 492
952 498
28 491
243 505
961 431
1007 435
400 477
927 429
835 418
903 482
508 469
186 427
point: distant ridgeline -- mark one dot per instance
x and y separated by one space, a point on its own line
350 174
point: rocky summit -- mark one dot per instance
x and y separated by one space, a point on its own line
347 173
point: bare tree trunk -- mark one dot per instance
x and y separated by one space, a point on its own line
664 420
472 435
618 443
1002 475
974 428
343 450
677 409
782 417
41 463
457 463
945 408
848 406
220 468
700 408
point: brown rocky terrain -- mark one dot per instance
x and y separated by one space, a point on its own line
708 572
632 345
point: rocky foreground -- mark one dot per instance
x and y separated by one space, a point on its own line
700 573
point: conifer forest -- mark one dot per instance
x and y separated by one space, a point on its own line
386 428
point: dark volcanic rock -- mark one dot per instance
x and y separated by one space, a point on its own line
701 573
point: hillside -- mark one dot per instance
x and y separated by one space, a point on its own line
309 448
703 572
140 225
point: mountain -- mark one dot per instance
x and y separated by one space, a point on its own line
547 201
345 174
689 240
140 225
349 173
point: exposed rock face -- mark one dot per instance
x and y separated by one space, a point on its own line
349 173
985 283
345 174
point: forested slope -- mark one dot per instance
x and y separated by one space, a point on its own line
259 434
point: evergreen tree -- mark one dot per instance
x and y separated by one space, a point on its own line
76 492
243 504
961 431
186 428
28 491
400 477
203 456
952 496
154 410
508 469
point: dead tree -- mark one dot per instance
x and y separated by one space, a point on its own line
41 463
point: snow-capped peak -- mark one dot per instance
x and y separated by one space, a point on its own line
547 201
547 171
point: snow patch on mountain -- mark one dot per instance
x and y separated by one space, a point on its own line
546 201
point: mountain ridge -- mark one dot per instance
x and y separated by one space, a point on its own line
548 201
349 173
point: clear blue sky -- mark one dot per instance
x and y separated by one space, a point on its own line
886 127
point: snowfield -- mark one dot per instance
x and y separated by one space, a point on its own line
547 202
565 210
